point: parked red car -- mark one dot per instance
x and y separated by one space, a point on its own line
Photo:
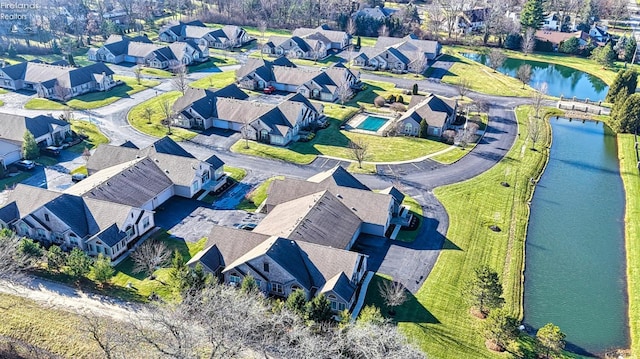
269 90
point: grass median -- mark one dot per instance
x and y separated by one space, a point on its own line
438 317
217 80
153 126
631 180
96 99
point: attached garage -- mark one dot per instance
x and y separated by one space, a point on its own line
218 123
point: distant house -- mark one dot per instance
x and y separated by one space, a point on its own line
376 213
56 81
146 178
282 265
315 83
599 33
438 112
227 37
376 13
306 43
472 20
398 55
555 38
47 130
140 50
227 108
72 221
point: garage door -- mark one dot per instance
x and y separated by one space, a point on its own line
221 124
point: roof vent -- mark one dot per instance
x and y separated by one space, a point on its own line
166 171
354 209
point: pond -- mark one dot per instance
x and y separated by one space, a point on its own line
561 80
575 255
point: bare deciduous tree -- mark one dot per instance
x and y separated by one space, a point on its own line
12 261
463 86
138 73
149 256
167 112
393 293
148 113
534 131
344 92
496 58
538 98
529 41
180 81
359 150
61 92
524 74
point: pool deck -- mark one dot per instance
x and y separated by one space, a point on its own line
359 118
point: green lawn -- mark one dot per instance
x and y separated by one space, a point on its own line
95 99
416 209
631 180
138 119
254 199
81 169
149 71
143 286
334 142
46 161
235 172
30 321
457 153
481 78
438 317
217 80
43 104
88 129
8 182
214 61
367 168
328 61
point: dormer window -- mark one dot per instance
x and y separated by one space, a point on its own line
265 267
46 217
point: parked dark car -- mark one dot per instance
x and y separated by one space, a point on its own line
25 165
77 177
51 151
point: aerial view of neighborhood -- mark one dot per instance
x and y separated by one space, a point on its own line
357 179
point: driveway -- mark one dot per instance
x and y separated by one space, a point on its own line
190 220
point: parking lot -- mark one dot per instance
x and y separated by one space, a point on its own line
191 220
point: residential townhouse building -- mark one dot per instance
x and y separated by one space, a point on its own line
227 37
71 221
407 54
55 81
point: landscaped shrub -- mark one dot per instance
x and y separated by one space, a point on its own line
448 136
398 107
544 46
414 90
400 99
391 98
513 41
379 101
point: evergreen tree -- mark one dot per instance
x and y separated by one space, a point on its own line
319 309
178 272
627 115
550 339
30 150
30 249
70 60
532 15
55 258
370 314
358 43
570 46
500 328
414 89
2 170
423 128
249 284
78 263
604 55
484 290
11 51
197 278
626 81
296 302
102 269
630 48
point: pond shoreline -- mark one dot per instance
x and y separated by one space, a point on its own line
623 296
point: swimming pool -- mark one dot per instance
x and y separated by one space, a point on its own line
372 123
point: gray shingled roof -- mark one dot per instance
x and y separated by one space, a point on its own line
233 243
333 35
338 176
434 109
13 127
133 183
340 285
319 218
